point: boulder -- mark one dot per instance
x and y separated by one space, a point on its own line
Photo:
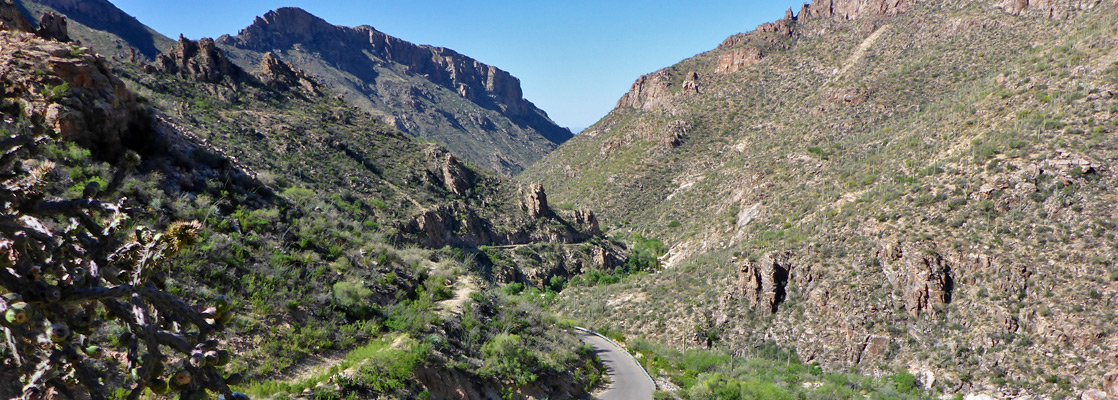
53 27
691 83
1094 394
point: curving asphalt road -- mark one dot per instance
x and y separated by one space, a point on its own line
628 380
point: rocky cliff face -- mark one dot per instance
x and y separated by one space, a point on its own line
737 59
358 63
80 98
473 80
854 9
764 283
922 276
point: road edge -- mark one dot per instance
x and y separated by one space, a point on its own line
615 344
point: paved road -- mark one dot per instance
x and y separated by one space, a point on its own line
628 381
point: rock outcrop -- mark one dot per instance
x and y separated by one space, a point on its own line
736 59
535 202
764 282
854 9
648 92
281 75
586 220
53 26
1110 384
201 61
455 226
922 276
1054 9
80 97
454 176
451 384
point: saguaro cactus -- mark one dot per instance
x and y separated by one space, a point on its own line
67 268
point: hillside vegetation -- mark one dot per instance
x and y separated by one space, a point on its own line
432 93
919 186
334 240
476 110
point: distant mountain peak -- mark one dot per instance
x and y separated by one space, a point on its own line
294 23
426 91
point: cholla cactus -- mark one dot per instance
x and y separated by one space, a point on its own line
66 268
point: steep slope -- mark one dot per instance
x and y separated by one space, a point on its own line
885 185
476 110
103 27
328 231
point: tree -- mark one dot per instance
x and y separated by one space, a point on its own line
68 270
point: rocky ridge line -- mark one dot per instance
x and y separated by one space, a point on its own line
654 91
470 78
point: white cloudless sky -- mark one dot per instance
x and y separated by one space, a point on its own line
574 58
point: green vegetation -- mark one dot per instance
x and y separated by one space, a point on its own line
59 91
507 357
81 276
645 254
383 366
317 250
984 150
770 372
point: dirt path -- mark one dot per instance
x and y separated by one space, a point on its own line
316 366
860 51
462 290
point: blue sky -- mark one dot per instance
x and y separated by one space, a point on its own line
574 58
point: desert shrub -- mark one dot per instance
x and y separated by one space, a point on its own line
437 288
508 358
355 299
905 382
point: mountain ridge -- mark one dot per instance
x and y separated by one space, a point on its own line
434 93
386 80
92 20
311 225
866 181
